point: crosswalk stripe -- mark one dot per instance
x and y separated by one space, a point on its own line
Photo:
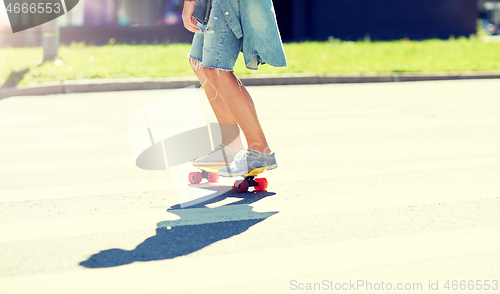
65 144
442 164
55 130
58 192
398 198
24 119
48 166
57 228
321 170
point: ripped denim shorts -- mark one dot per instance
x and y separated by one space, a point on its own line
216 46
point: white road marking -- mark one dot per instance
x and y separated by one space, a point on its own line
48 166
107 188
56 130
57 228
65 144
24 120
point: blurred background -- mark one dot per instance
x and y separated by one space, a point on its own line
150 21
105 39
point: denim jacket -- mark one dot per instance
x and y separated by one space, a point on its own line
202 11
257 26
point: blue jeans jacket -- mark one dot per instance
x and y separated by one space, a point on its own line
256 24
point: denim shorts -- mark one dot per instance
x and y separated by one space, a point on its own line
216 46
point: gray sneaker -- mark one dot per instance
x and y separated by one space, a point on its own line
221 155
246 161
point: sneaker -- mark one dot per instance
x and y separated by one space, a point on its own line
248 160
222 155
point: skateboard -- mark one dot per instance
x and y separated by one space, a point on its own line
240 186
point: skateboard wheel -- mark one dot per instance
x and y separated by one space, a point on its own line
241 186
213 178
195 177
262 184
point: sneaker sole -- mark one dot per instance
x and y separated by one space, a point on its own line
201 164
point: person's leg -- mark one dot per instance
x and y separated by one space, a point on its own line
240 105
220 52
223 153
228 125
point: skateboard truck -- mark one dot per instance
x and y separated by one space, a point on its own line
196 177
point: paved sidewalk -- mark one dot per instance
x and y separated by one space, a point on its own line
129 84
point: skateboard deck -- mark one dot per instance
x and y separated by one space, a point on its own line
210 174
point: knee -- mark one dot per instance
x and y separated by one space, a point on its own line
210 73
213 76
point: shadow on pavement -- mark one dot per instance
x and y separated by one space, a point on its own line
198 227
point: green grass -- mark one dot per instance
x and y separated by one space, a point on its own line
119 61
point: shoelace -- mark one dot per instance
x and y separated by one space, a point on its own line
216 149
242 155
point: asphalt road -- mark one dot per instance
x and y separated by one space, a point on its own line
393 183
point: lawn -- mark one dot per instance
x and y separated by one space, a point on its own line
79 61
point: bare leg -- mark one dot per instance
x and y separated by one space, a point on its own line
228 125
238 101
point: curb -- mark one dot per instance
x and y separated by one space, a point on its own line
134 84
